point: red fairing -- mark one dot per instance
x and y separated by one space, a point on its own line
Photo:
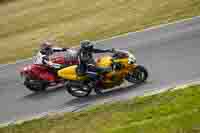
58 59
39 72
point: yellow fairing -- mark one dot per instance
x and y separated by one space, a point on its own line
69 73
104 61
122 61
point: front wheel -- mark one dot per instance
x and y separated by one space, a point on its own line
139 75
35 86
98 91
81 91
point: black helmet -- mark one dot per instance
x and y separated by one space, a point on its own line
86 45
46 48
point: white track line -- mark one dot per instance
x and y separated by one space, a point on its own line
149 93
83 106
118 36
151 28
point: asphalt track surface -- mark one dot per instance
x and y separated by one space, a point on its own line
170 53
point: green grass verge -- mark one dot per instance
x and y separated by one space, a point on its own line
169 112
25 23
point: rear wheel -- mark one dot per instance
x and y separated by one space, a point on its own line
35 86
139 75
79 91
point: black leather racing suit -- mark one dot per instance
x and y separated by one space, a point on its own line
87 63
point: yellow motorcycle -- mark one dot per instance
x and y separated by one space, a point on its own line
124 67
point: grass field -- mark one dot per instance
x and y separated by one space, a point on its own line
24 24
169 112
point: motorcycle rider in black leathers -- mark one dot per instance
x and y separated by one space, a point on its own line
86 60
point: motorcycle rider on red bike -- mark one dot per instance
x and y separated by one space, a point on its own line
43 72
47 49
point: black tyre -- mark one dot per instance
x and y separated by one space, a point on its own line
35 86
82 91
139 75
98 91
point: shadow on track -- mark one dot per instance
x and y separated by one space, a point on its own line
42 95
94 98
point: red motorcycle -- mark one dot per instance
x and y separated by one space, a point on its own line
39 77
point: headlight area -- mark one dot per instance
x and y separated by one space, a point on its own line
131 60
24 71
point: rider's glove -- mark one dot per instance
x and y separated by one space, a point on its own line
65 49
56 66
113 50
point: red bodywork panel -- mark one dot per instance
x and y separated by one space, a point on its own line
39 72
58 59
43 72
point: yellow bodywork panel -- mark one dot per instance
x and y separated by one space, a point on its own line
69 73
105 61
123 61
